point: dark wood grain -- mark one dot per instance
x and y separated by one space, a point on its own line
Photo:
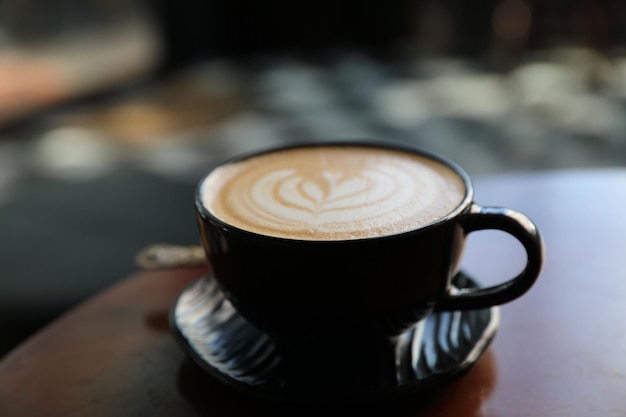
559 350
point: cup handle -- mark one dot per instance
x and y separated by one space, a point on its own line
520 227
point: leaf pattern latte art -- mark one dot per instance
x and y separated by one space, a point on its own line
333 199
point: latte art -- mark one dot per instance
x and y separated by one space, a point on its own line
332 192
328 203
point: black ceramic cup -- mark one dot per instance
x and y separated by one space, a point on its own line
320 291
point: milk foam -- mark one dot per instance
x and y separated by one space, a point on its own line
332 192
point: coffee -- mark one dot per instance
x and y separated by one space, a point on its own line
342 272
330 192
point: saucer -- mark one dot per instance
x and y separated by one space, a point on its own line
437 350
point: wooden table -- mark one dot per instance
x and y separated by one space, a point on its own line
560 349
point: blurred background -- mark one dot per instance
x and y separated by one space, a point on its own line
111 110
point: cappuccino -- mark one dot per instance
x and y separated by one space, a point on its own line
332 192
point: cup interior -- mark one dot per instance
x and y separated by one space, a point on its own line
209 187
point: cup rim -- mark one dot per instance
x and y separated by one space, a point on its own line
468 198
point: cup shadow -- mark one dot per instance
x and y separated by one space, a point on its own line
463 397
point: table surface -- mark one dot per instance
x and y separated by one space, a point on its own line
559 350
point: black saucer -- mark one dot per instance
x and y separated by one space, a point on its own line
439 349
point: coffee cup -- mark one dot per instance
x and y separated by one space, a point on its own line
348 241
